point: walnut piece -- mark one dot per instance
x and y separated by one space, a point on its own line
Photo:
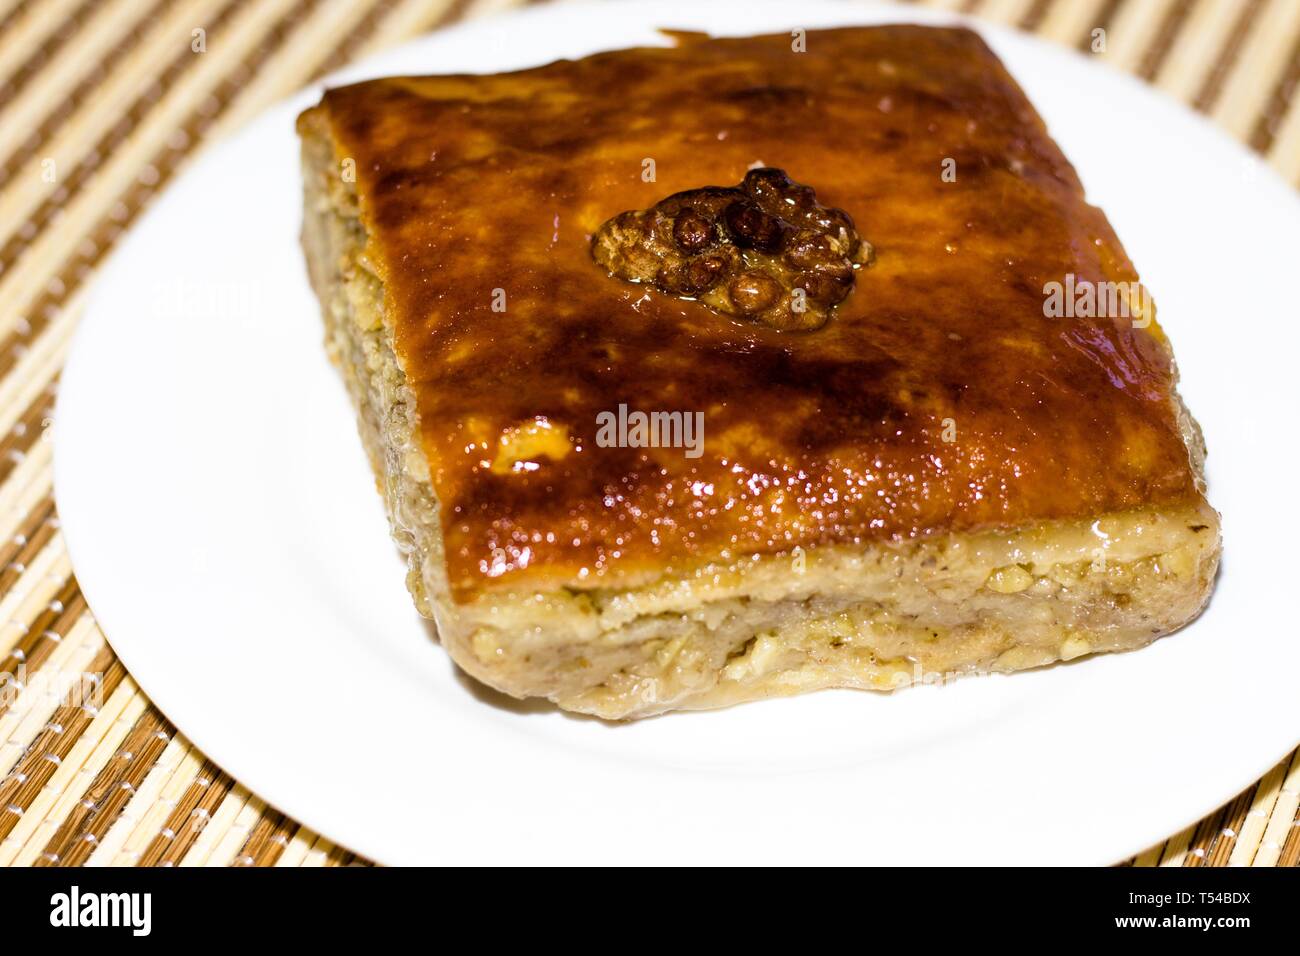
765 250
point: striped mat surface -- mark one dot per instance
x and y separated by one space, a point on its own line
102 103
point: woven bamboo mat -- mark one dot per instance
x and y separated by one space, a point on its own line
102 102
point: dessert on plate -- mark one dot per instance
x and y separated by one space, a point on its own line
748 367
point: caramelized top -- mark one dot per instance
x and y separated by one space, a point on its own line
939 397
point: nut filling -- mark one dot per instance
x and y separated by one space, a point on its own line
765 250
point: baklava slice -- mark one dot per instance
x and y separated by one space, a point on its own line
748 367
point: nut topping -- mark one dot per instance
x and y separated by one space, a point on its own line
765 250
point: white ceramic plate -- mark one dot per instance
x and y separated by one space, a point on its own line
226 531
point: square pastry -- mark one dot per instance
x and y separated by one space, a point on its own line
748 367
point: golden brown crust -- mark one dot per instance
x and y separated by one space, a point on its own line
473 184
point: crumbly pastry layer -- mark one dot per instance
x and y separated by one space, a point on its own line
1108 565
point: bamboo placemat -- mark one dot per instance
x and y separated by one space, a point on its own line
101 103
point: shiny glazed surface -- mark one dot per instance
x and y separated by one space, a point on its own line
470 185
